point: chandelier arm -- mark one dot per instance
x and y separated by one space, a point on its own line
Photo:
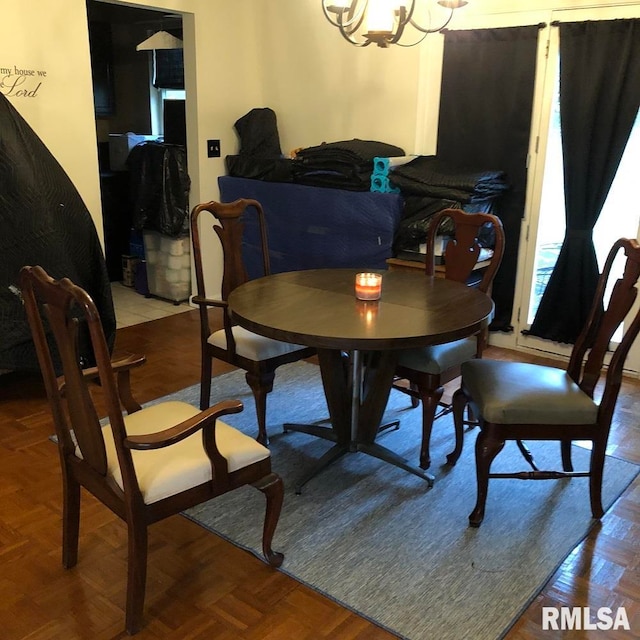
409 12
398 34
347 33
412 44
327 16
354 16
347 29
347 36
415 25
404 18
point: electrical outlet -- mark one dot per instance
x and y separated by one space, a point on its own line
213 148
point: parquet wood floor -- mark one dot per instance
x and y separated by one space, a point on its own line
200 586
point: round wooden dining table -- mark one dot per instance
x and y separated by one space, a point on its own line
357 341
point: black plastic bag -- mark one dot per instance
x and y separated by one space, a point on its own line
160 188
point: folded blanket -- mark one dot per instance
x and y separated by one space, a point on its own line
344 165
354 151
257 168
430 176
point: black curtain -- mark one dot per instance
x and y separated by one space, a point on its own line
599 99
486 99
168 65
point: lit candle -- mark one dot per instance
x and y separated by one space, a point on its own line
368 286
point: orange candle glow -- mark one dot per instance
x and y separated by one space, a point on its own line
368 286
368 311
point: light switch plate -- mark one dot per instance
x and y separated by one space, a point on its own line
213 148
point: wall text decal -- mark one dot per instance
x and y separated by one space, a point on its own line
17 82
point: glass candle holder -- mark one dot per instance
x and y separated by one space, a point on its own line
368 286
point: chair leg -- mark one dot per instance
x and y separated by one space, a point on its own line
430 401
487 448
595 477
410 389
472 419
70 520
526 454
205 382
414 400
565 452
137 576
459 402
273 489
261 385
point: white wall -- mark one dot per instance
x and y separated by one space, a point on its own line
51 40
324 89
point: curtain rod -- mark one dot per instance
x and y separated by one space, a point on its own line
540 25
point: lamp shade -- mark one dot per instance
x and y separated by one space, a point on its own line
160 40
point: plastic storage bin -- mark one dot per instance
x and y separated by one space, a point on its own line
168 262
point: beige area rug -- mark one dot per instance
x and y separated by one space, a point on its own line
375 539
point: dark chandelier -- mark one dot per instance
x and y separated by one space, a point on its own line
384 22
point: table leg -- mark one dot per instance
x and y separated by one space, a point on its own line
334 368
377 371
356 395
382 453
357 391
327 458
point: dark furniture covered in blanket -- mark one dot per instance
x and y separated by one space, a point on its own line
316 227
44 221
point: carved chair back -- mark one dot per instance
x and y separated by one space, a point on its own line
594 343
463 249
68 310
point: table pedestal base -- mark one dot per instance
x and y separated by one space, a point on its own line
357 390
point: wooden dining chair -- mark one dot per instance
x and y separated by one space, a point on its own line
146 465
428 369
257 355
524 401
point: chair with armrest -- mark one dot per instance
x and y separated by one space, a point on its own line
523 401
427 369
149 464
257 355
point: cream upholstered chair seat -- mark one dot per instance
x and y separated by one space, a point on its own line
165 472
253 346
521 393
438 358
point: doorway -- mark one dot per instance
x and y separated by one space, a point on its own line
129 109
